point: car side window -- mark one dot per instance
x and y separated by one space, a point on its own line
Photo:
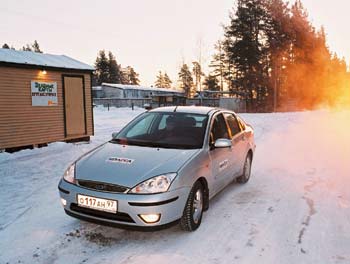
218 129
162 123
233 124
241 123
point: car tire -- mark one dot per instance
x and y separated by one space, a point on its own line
244 178
193 212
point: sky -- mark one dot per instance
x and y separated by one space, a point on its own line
149 35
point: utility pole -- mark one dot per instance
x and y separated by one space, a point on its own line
275 92
200 59
200 64
221 67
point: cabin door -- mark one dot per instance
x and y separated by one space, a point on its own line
74 106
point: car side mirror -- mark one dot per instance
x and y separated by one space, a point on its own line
222 143
115 134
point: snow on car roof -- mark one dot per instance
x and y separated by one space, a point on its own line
204 110
41 59
138 87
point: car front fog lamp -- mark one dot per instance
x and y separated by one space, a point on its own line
63 202
69 175
150 218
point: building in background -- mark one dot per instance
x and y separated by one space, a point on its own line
43 98
97 92
121 95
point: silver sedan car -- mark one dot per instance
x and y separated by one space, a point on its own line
161 168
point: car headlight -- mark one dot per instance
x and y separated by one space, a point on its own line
157 184
69 174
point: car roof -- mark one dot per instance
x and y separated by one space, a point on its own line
204 110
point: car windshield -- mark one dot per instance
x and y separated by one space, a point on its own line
165 130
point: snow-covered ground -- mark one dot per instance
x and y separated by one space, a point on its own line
295 209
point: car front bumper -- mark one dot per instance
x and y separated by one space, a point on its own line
169 205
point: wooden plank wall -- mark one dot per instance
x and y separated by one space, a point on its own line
21 123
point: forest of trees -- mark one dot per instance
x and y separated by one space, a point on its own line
163 80
107 70
28 47
271 55
191 80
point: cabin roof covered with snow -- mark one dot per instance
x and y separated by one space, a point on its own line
16 57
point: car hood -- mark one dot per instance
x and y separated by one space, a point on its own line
128 165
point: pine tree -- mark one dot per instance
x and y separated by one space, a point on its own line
167 81
35 47
279 40
134 77
27 48
108 70
186 80
219 65
163 80
32 47
159 80
211 83
101 68
303 69
245 38
5 46
197 73
114 69
130 76
339 83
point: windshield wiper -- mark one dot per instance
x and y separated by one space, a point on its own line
124 141
173 146
115 140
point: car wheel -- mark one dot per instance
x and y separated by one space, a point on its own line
246 170
192 215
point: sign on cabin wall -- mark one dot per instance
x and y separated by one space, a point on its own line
44 93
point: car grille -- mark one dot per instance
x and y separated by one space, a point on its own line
122 217
102 187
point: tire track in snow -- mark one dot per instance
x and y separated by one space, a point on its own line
3 227
311 211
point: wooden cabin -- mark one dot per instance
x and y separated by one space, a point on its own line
43 98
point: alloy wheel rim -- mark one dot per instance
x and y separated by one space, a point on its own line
247 169
197 206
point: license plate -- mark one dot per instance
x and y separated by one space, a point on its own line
95 203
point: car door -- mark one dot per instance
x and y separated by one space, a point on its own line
239 144
219 157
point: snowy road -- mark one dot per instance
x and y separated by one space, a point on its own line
295 209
